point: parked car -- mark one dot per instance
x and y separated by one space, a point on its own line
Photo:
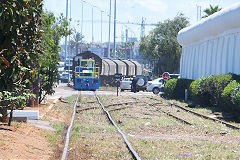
64 77
139 83
125 84
174 75
156 85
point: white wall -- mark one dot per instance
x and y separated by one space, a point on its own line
211 46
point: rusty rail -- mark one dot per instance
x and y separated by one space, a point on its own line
198 114
129 146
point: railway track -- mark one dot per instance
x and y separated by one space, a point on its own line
128 144
68 136
162 102
157 105
196 114
158 109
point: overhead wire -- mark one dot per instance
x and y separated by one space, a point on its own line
117 21
106 13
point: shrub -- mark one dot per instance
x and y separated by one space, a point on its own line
182 84
194 91
209 89
170 87
175 88
236 97
200 95
226 96
218 91
214 86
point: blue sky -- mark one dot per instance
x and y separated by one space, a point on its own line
129 10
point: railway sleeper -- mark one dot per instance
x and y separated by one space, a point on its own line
177 118
206 117
85 109
198 114
118 104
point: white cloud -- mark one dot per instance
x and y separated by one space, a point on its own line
153 5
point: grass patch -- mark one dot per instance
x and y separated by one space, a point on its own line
164 149
107 89
100 146
70 99
55 138
59 127
17 124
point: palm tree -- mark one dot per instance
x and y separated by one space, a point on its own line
77 38
211 10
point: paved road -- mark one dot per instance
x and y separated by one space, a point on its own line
64 91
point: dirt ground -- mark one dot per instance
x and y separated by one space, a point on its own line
22 141
27 141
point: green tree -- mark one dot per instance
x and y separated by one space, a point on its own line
129 45
20 39
161 44
53 30
209 11
77 38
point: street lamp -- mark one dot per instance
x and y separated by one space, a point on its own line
69 52
114 35
66 36
109 31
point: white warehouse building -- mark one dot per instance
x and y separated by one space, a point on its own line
211 46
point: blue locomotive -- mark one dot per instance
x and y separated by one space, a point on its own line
86 75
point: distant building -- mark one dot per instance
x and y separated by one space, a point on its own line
132 39
101 52
211 46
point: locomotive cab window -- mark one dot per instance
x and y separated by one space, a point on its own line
87 64
90 64
84 64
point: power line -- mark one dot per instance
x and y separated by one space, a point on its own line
115 21
120 22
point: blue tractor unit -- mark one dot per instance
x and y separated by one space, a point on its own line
86 75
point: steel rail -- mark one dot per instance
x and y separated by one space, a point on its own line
68 136
118 104
129 146
167 113
177 118
198 114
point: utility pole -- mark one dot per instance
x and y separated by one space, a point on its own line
109 31
126 43
66 36
126 35
101 26
92 27
143 27
199 12
114 37
69 47
82 30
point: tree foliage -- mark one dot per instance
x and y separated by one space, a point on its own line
29 46
161 44
75 41
20 36
209 11
53 30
